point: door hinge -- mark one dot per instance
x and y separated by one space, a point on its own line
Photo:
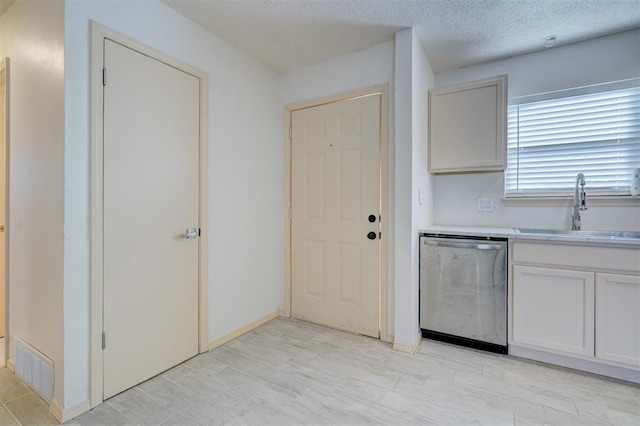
104 340
290 133
104 76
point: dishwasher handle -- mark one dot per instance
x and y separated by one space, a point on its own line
475 246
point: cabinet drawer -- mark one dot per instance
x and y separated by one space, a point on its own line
574 256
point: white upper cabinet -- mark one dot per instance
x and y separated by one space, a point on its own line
468 126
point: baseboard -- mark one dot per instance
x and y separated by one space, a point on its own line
55 409
63 415
11 365
406 347
239 332
594 367
389 338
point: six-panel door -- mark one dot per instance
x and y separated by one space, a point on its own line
335 185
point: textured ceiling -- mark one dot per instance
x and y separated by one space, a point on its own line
287 34
4 5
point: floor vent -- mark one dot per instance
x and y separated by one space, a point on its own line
35 369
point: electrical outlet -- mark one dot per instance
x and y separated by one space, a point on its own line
486 204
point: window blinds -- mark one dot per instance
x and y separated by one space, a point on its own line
550 142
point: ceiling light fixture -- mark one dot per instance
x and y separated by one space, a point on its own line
550 41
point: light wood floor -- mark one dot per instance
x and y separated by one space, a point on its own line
292 372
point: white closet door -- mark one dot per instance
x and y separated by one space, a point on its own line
151 152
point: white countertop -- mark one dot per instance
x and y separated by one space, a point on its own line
513 233
481 231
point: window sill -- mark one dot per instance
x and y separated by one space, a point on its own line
596 201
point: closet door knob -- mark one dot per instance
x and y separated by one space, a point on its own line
190 234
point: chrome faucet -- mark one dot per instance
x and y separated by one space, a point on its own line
579 202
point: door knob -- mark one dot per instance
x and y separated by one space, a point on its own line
371 235
190 234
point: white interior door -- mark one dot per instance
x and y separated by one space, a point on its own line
335 190
151 153
3 207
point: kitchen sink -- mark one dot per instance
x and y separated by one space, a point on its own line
598 234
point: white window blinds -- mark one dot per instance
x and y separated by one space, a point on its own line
549 142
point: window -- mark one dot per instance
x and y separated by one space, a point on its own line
549 142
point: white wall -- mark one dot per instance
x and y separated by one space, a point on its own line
423 182
611 58
365 68
31 35
413 79
405 318
246 242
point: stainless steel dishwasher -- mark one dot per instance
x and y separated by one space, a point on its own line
463 290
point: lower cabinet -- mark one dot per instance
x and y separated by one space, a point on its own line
577 301
554 309
618 318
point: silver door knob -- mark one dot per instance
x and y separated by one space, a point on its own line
190 234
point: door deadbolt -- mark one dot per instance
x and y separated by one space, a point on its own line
372 218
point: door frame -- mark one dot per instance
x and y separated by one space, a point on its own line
98 34
4 66
383 91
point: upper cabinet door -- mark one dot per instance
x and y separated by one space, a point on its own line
468 126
